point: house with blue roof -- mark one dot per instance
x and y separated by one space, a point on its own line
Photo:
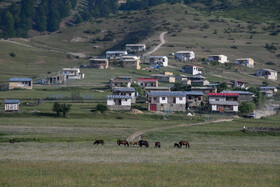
119 102
11 105
125 91
22 83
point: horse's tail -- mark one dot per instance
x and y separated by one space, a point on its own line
127 144
118 142
189 145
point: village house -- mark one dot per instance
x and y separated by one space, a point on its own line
243 96
198 80
166 101
205 89
192 69
268 91
131 63
73 73
223 102
98 63
163 78
267 74
153 89
11 105
119 102
185 55
113 55
193 98
56 78
125 91
121 81
181 77
147 82
22 83
247 62
135 47
238 84
158 61
134 57
218 58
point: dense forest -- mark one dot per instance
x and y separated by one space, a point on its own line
46 15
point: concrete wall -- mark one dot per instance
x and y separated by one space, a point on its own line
11 107
119 107
13 85
171 107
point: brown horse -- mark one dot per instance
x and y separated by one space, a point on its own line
177 145
143 143
99 142
12 140
184 143
123 142
157 145
133 143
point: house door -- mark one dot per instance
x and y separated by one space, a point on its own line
153 107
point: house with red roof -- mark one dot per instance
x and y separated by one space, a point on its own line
223 102
147 82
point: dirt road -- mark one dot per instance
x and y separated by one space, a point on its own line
137 135
162 41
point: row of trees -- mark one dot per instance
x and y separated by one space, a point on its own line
46 15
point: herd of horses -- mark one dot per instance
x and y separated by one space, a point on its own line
143 143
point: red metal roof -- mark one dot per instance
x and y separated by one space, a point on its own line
223 94
146 79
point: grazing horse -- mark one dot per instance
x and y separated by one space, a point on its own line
124 142
143 142
177 145
133 143
12 140
184 143
99 142
157 145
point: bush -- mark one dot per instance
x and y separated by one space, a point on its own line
12 54
101 108
234 47
246 108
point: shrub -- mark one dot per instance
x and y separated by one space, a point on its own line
101 108
12 54
270 63
246 108
234 47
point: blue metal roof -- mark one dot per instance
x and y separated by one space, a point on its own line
9 101
239 92
19 79
167 93
118 97
194 93
124 89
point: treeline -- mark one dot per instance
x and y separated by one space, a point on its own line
43 15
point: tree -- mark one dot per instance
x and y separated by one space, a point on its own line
53 20
101 108
246 108
138 89
221 87
41 19
65 109
9 24
57 108
179 87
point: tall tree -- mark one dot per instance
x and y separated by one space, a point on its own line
9 24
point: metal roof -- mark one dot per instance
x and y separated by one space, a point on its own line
118 97
135 45
167 93
147 79
19 79
267 88
158 56
184 52
223 103
194 93
238 92
112 52
8 101
157 88
124 89
223 94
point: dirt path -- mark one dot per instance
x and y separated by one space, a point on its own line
137 135
162 41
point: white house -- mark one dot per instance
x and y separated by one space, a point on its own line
166 101
125 91
135 47
267 74
11 105
115 54
72 73
192 69
218 58
147 82
158 61
185 55
247 62
223 102
119 102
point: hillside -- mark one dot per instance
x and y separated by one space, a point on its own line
188 29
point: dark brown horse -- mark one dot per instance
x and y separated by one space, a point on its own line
143 143
184 143
157 145
133 143
12 140
99 142
177 145
123 142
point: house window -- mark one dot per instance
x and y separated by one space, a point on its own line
190 98
199 98
180 98
155 98
163 98
216 99
125 99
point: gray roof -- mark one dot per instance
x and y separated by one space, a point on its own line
112 52
194 93
167 93
267 88
8 101
124 89
223 102
118 97
239 92
19 79
161 75
157 88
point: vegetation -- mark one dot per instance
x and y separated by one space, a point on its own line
101 108
246 108
179 87
64 108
